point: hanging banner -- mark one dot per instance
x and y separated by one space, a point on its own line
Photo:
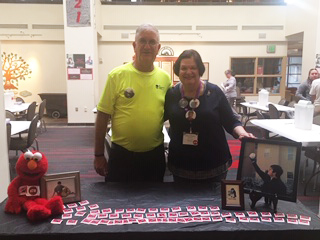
78 13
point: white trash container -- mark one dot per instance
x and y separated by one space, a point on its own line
8 99
303 115
263 97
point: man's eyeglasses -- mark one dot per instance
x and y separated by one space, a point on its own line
144 42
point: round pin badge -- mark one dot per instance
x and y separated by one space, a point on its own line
195 142
183 102
194 103
129 93
190 115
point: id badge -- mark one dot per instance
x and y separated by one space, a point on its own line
33 191
190 139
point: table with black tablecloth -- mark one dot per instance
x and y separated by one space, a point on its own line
146 195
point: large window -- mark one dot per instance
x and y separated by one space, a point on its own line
255 73
294 71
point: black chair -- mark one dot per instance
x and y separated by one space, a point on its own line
31 112
264 132
290 115
42 107
8 134
19 99
283 102
10 115
23 143
273 112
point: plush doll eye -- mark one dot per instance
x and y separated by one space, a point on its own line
28 155
37 156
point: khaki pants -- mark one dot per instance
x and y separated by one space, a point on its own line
316 110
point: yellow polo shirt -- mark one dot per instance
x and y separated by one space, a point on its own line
135 101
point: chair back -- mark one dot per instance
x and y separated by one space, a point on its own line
19 99
273 112
259 115
283 102
42 107
31 112
32 131
8 134
291 104
10 115
316 120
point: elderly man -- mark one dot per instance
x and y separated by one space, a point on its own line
133 99
304 88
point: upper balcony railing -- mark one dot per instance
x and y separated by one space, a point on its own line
195 2
163 2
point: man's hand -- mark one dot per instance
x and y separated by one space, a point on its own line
100 165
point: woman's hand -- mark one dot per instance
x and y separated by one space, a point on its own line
240 133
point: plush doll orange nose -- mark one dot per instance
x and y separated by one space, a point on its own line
32 164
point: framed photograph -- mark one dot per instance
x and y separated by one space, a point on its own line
205 75
270 167
66 185
232 196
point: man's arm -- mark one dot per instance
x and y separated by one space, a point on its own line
263 175
313 97
100 162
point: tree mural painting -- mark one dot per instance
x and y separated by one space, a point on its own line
14 69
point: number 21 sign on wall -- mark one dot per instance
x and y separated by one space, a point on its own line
78 13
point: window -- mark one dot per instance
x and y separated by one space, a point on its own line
294 71
256 73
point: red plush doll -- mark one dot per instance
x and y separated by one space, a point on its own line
24 190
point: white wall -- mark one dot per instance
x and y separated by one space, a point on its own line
215 46
4 159
303 16
47 62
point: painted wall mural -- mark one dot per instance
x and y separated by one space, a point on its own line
14 69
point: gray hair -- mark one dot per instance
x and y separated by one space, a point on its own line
146 26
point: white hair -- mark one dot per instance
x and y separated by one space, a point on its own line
147 26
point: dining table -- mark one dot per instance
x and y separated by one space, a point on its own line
17 107
287 129
19 126
265 108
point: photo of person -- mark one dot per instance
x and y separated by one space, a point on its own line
232 192
89 61
70 62
61 187
269 168
271 178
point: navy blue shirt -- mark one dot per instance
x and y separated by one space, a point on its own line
213 115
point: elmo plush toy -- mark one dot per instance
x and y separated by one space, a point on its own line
24 190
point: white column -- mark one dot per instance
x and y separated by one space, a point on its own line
4 159
81 43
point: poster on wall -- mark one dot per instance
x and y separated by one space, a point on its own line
78 13
79 67
318 61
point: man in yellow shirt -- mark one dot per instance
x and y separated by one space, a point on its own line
133 99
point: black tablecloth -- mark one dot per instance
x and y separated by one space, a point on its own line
145 195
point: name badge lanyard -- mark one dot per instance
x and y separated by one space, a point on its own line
189 107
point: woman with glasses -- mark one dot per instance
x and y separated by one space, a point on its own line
198 149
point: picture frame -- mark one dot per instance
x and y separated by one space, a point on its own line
232 195
205 75
285 155
66 185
